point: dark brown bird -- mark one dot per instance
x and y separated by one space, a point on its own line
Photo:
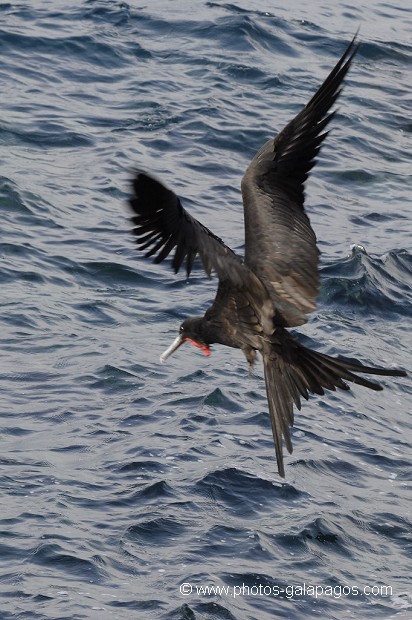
276 284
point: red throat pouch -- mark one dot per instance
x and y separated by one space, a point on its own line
204 347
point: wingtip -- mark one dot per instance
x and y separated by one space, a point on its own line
135 177
353 47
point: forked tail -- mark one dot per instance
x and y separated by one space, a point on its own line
292 371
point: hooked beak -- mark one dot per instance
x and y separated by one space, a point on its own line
175 345
180 340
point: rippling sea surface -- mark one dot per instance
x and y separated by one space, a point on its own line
122 479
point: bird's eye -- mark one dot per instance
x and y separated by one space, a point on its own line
181 329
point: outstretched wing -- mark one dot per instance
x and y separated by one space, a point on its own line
161 225
280 243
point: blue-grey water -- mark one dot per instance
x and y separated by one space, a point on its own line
122 479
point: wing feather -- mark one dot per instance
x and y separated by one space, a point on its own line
161 224
280 243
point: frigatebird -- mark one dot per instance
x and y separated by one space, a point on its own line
275 285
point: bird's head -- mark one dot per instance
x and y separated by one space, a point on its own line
191 330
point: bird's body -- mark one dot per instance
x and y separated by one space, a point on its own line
275 286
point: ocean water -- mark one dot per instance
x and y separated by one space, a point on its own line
131 489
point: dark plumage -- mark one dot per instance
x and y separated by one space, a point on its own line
275 286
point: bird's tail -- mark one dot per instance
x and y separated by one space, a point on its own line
293 371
